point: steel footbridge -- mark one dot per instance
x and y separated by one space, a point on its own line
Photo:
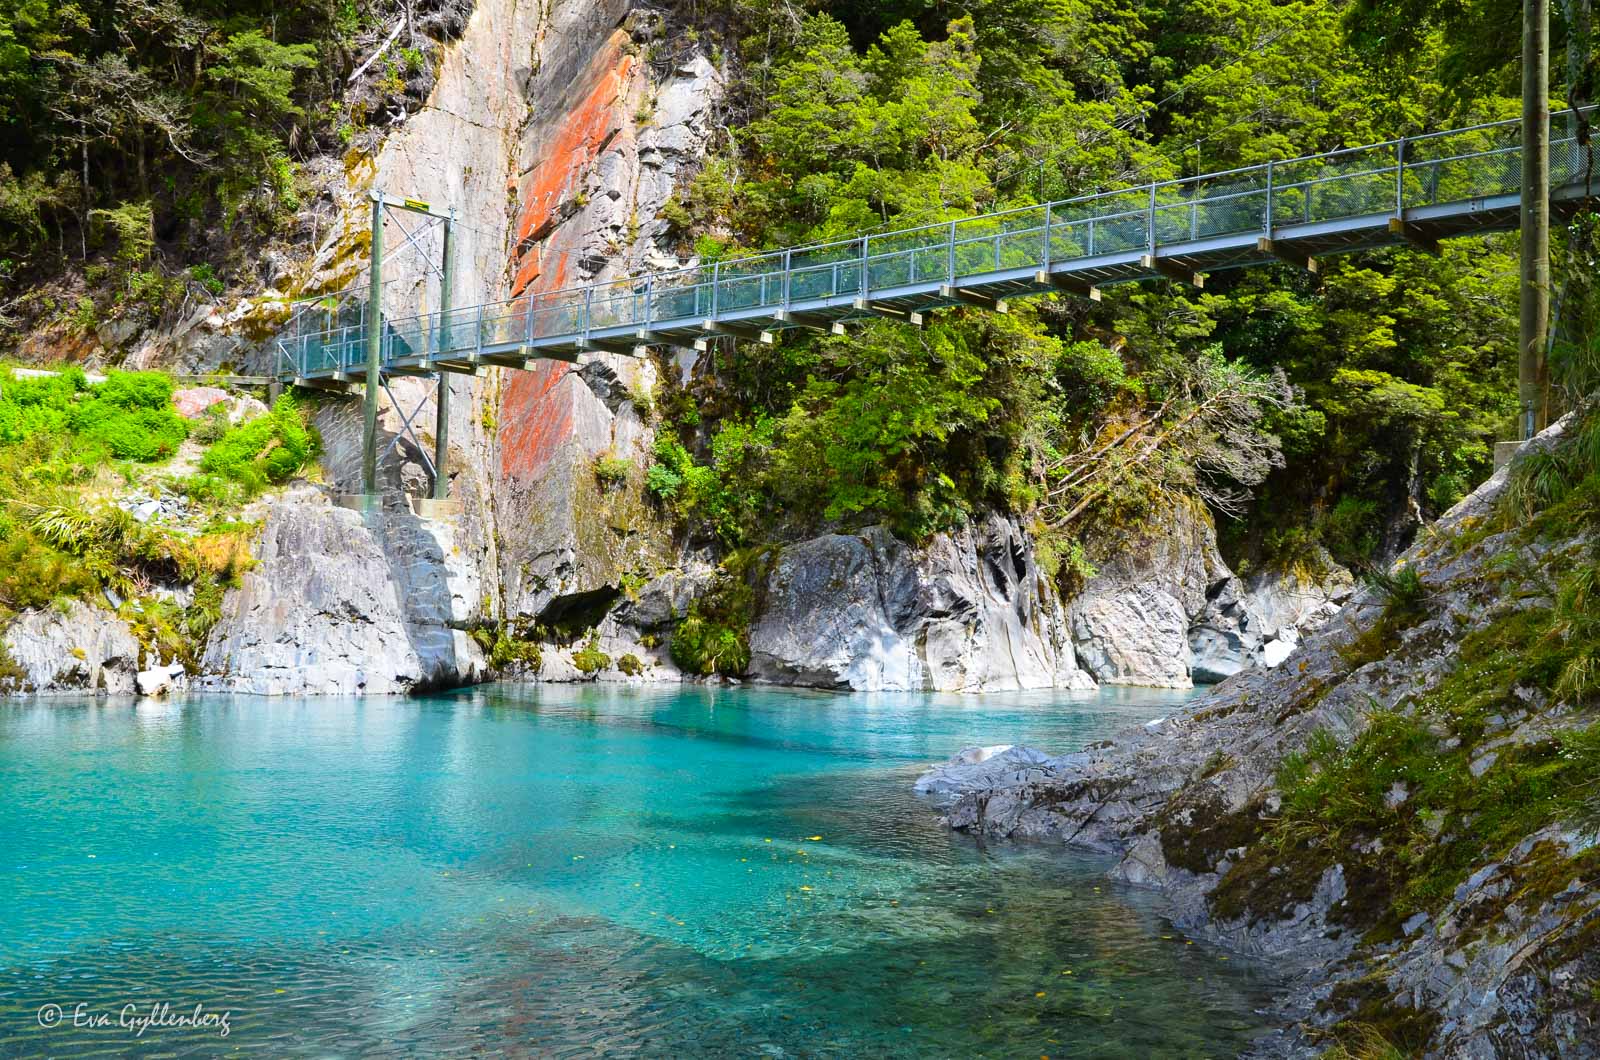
1414 191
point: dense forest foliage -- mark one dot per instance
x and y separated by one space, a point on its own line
852 117
148 147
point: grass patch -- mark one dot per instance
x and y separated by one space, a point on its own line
268 450
1405 605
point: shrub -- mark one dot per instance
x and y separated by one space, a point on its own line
508 651
611 470
137 390
713 637
268 449
1346 530
631 665
213 424
130 414
590 659
1404 595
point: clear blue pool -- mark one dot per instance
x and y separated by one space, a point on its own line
527 871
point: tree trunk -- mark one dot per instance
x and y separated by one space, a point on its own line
138 153
83 229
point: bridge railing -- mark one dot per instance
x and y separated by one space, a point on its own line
1455 165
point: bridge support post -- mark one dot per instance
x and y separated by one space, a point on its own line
1533 374
441 398
369 439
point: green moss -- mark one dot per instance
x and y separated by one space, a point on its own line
508 649
1268 882
1376 1028
1401 809
590 659
1197 830
713 637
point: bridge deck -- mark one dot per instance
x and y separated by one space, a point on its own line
1418 190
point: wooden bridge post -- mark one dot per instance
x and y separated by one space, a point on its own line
369 438
1533 374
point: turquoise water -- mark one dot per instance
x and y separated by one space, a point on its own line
570 872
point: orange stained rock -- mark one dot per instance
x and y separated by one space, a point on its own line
537 414
536 417
583 134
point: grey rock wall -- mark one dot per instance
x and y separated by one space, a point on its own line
971 612
82 648
1164 609
342 602
1131 621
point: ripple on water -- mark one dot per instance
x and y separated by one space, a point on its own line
565 872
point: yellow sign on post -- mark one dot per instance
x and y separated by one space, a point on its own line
418 204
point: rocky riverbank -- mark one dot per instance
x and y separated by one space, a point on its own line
1396 816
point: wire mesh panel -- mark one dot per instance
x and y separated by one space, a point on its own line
555 315
405 337
1112 223
682 295
1337 186
1469 164
894 257
750 283
618 303
457 330
501 324
827 271
1206 207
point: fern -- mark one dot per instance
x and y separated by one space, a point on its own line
68 528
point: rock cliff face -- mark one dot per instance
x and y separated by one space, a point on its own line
1164 610
610 134
971 612
561 143
83 649
342 602
1496 967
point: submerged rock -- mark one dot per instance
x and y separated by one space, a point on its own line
984 768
